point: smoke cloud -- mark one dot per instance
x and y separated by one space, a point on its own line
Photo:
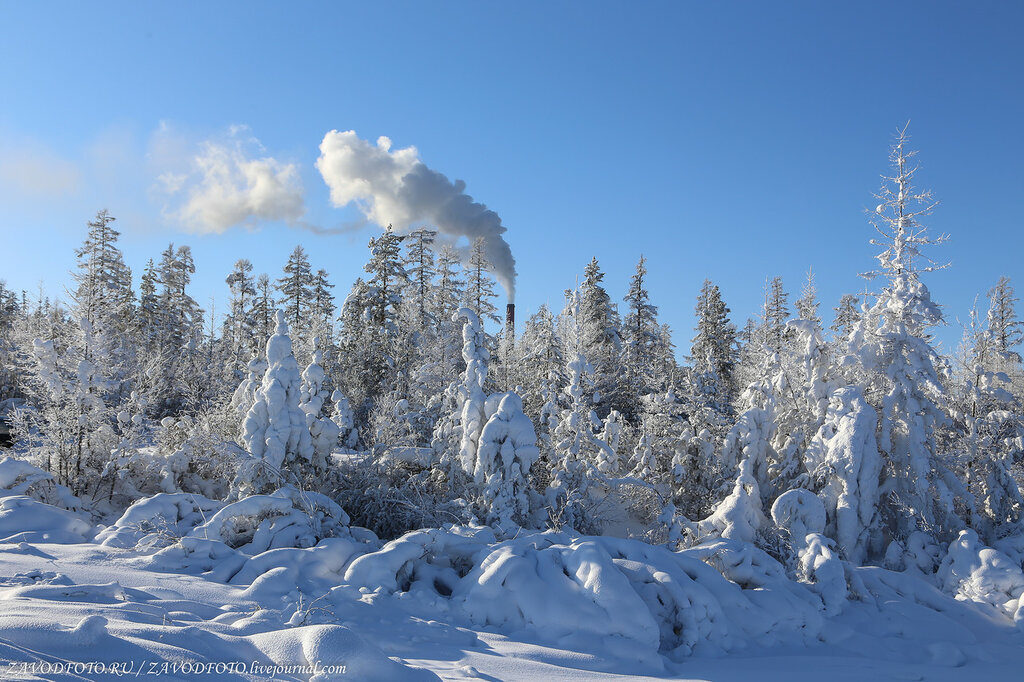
226 186
396 188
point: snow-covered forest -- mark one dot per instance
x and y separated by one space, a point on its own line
586 474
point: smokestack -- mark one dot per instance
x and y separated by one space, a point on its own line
510 322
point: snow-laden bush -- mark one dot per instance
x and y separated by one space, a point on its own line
285 518
18 477
801 516
392 496
158 521
844 466
192 454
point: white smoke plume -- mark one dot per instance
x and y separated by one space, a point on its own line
396 188
225 185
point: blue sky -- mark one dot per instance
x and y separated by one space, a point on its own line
735 141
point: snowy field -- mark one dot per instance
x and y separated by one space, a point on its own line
186 588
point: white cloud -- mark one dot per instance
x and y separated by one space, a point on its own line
224 184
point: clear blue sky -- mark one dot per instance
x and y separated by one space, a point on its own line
732 140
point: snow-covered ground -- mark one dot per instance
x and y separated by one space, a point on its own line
181 590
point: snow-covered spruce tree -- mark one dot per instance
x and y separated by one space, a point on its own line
457 432
382 300
322 314
506 452
471 397
542 362
179 324
420 264
479 297
1005 329
479 293
344 418
263 310
990 430
713 351
748 446
774 315
357 375
80 370
239 328
597 320
846 315
10 312
449 290
918 491
802 381
314 401
103 300
296 291
274 430
641 338
807 304
611 434
577 486
438 356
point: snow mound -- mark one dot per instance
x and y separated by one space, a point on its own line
158 521
338 652
23 519
622 597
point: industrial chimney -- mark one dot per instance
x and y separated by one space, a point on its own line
510 322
